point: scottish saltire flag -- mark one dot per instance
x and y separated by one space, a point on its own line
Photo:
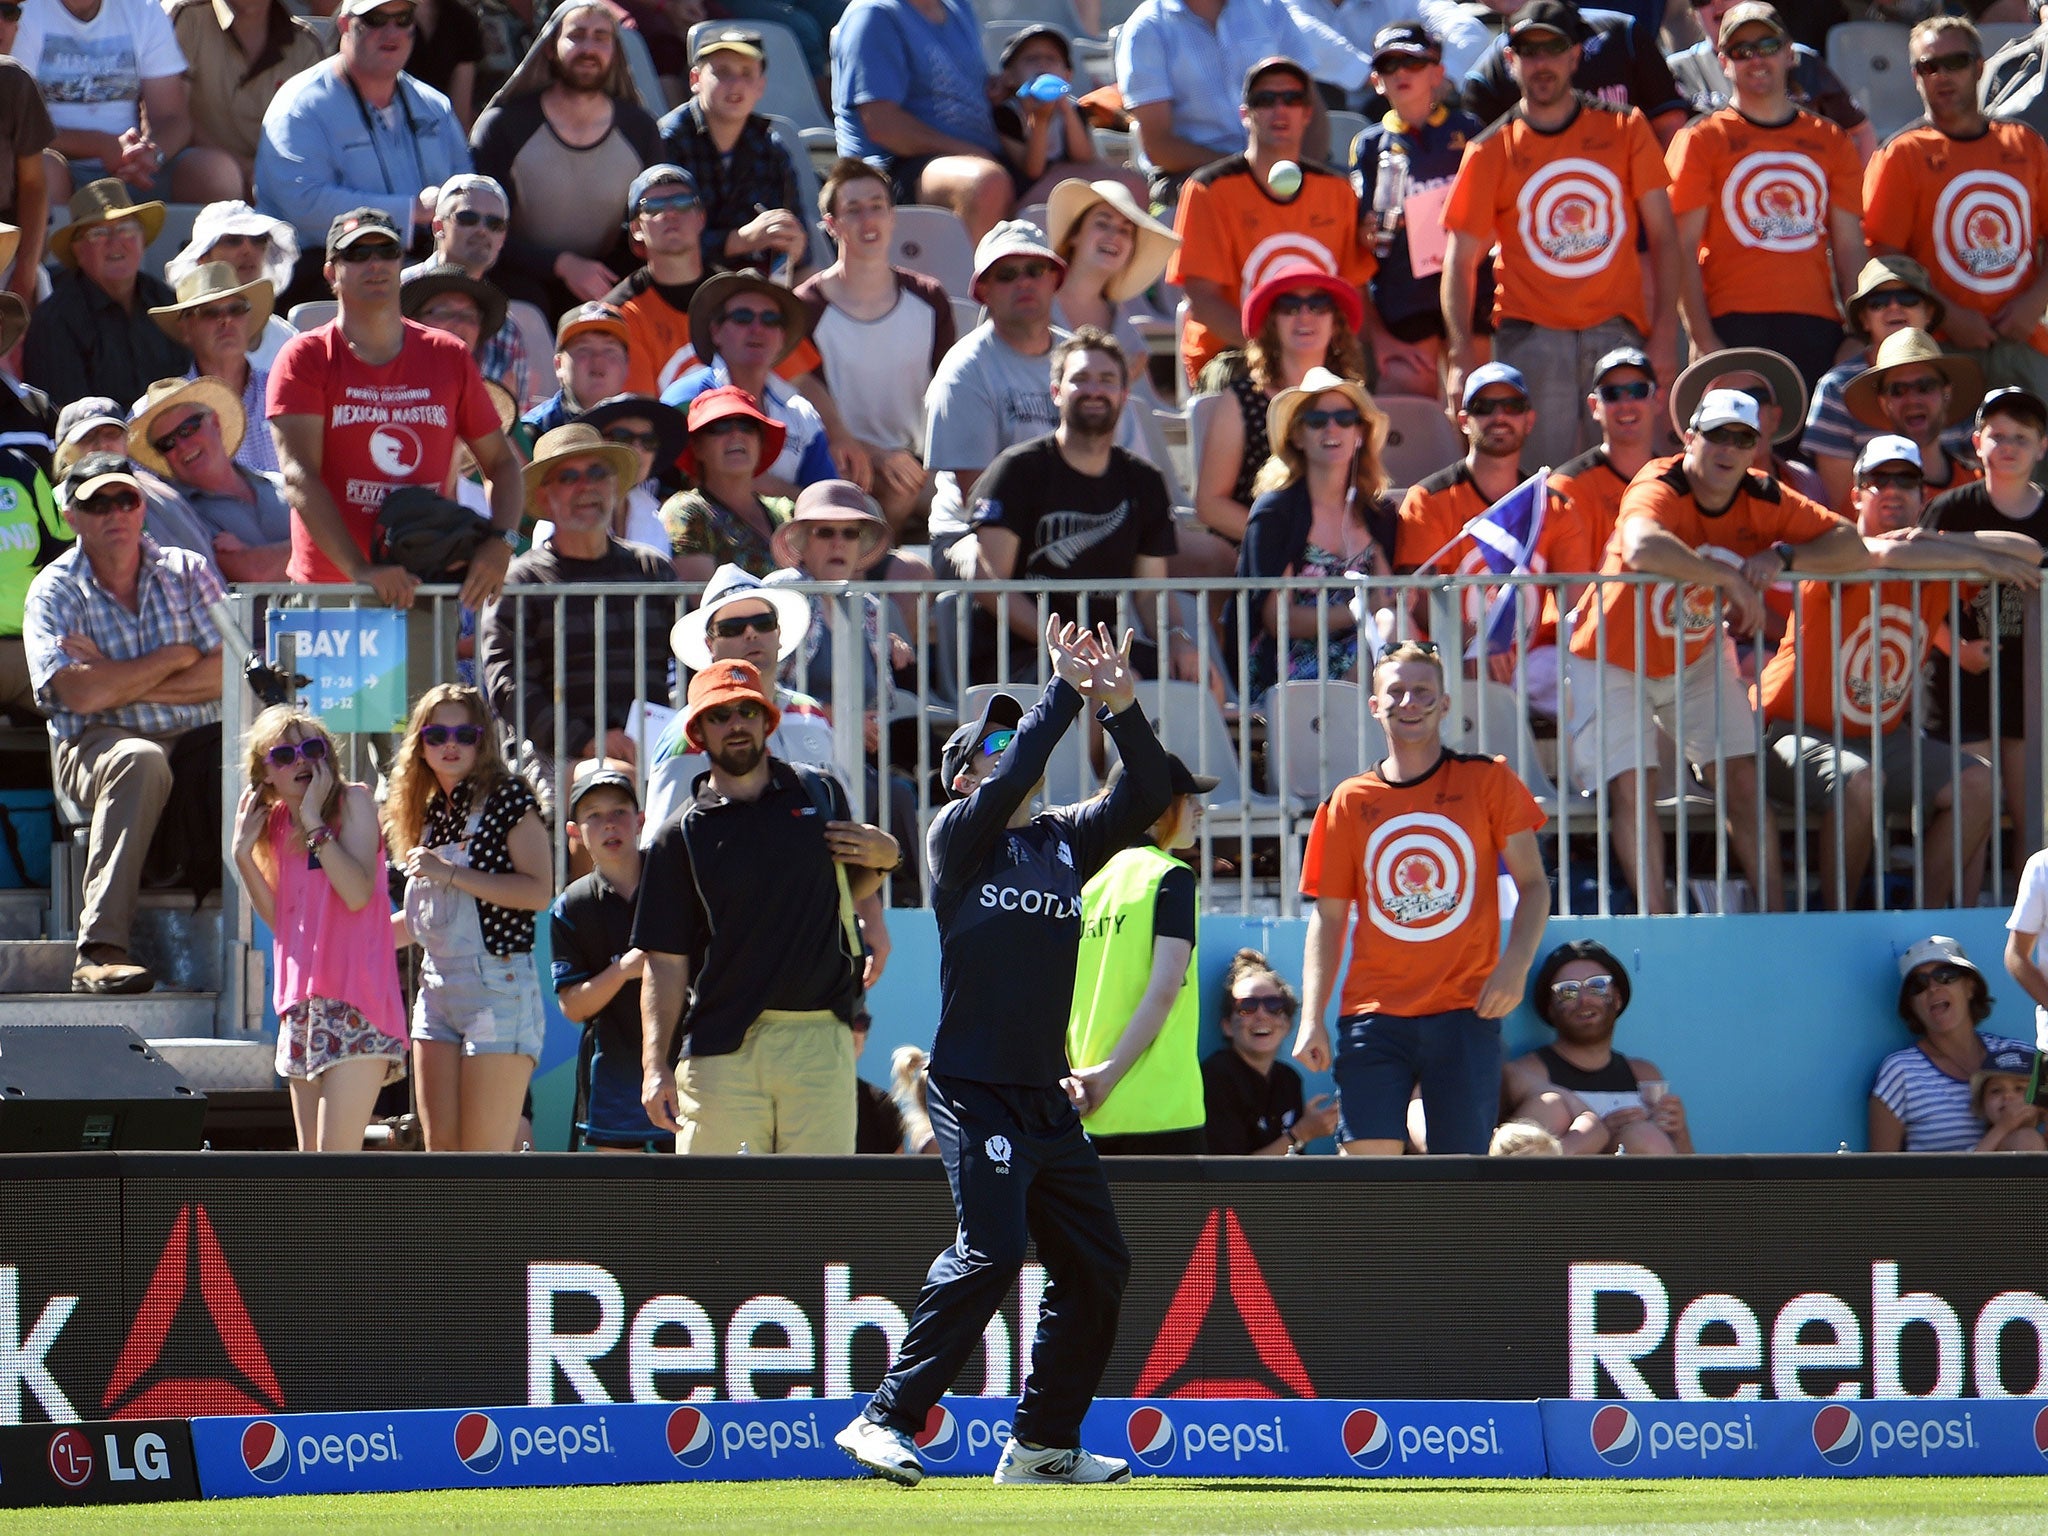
1507 534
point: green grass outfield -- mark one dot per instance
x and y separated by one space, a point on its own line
1168 1506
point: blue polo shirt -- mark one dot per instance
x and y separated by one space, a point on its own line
885 50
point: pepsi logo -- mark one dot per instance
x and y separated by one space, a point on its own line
1837 1435
478 1444
71 1458
1367 1439
1151 1435
2041 1432
266 1451
1617 1438
689 1437
940 1437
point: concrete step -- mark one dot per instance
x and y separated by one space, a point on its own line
152 1015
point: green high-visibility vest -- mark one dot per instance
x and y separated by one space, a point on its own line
1163 1089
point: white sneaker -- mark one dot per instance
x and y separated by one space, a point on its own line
883 1451
1021 1464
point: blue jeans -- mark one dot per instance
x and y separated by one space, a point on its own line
1455 1056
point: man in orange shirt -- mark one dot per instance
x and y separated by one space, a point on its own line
1235 227
1962 194
1720 533
1864 689
1623 404
1415 845
1768 197
1563 186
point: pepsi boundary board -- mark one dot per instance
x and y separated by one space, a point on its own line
137 1461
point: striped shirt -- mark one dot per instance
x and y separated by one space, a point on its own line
172 594
1934 1107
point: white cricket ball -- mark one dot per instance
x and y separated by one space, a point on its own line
1284 178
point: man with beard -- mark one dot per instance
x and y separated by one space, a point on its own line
1581 1090
1072 504
746 912
565 138
1916 390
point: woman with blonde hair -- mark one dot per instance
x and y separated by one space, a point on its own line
309 854
468 833
1322 510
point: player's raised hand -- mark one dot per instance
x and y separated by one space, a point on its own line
1116 684
1072 649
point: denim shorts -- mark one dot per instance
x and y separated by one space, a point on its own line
487 1004
1454 1056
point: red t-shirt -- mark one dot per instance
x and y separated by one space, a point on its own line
394 425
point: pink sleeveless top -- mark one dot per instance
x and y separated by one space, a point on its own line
324 950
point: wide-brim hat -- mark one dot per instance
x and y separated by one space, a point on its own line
1910 349
167 394
830 501
579 440
104 202
1073 198
731 400
1788 389
209 283
713 293
13 320
10 242
1319 380
420 290
671 427
690 638
1882 272
1300 274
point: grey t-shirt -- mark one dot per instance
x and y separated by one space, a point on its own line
265 521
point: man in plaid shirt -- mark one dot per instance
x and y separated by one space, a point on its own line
125 660
751 214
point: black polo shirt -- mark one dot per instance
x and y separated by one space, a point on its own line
590 926
746 889
1244 1110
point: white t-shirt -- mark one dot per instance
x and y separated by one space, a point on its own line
880 369
2030 915
91 72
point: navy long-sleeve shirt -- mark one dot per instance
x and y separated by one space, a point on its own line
1008 899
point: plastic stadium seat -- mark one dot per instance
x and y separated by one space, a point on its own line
1870 57
1420 438
1199 409
1068 778
1318 735
172 238
1495 725
1034 214
791 138
646 79
317 312
1344 127
791 92
539 339
966 313
934 241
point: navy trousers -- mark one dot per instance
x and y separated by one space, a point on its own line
1022 1170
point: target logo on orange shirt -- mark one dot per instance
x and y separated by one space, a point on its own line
1984 231
1572 216
1286 248
1894 650
1695 603
1419 868
1776 202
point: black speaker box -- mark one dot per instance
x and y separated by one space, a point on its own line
92 1088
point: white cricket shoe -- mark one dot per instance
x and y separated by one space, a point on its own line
1021 1464
883 1451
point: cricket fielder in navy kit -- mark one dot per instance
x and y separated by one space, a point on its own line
1007 895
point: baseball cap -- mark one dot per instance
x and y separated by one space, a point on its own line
361 224
1726 408
1623 357
657 176
1001 713
1492 373
1936 948
595 316
86 413
731 40
1747 13
93 473
1406 40
600 774
1012 237
1032 34
1888 449
364 7
1547 16
2014 401
1272 62
2004 1061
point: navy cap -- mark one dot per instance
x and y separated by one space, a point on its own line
1548 16
1492 373
656 176
1623 357
1000 713
1407 40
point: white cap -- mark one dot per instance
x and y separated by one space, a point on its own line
1938 948
1726 408
1888 449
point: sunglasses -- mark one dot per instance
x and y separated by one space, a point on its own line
1762 48
261 241
648 441
996 743
1731 437
469 218
1263 101
1944 63
771 318
461 735
594 474
1276 1006
726 424
285 753
1015 272
1294 303
752 623
213 314
379 21
838 532
1401 64
109 501
1343 416
725 714
1943 975
365 252
1914 387
1641 389
1495 405
1552 48
1592 986
675 202
1894 479
1894 298
178 434
454 310
9 12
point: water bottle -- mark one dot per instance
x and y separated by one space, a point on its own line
1046 87
1389 193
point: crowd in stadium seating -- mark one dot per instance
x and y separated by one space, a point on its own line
459 301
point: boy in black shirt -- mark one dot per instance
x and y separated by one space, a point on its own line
1007 895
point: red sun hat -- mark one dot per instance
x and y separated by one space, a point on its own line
731 400
1300 274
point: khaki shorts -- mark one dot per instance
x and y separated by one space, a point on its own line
1813 757
790 1087
1608 739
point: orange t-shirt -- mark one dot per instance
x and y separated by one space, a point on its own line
1562 207
1763 513
1968 210
1422 862
1436 510
1233 230
1900 641
1593 486
1767 192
